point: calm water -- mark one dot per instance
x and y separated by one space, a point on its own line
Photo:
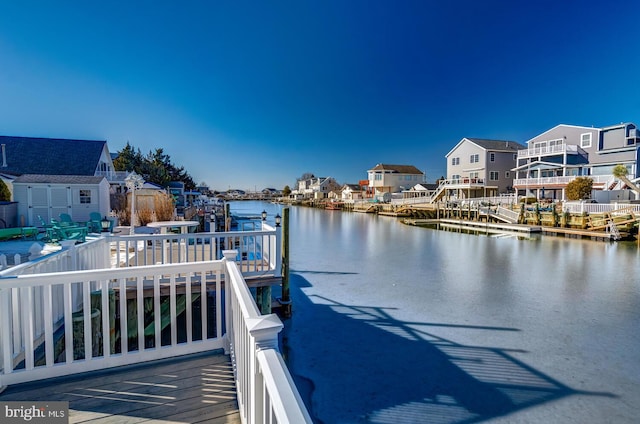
395 324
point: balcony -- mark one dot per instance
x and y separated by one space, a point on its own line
570 149
599 181
113 176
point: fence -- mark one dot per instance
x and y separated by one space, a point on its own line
114 317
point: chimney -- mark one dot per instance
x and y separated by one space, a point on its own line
4 155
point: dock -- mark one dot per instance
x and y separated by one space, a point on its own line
483 226
188 389
498 227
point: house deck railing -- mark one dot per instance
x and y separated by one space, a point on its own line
259 252
548 150
557 181
112 317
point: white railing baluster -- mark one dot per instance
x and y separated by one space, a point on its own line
157 316
219 305
5 332
187 304
124 318
105 301
86 313
48 325
68 323
172 310
203 306
27 325
140 311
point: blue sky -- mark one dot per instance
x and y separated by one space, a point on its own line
254 94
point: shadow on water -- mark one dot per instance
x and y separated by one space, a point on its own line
382 370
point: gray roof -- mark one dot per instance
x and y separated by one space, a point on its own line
50 156
497 144
58 179
401 169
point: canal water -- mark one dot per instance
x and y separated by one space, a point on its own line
400 324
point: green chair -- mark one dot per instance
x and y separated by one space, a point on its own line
65 219
95 222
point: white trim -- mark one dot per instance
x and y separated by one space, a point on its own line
582 144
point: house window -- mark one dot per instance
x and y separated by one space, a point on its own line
474 174
492 157
493 175
85 197
474 158
455 161
585 140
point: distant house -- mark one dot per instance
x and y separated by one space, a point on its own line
384 178
351 192
315 188
269 191
420 191
554 158
48 196
235 193
478 167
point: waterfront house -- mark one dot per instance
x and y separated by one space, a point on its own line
351 192
478 167
421 191
557 156
385 178
315 188
48 196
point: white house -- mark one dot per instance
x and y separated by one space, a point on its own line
351 192
315 188
384 178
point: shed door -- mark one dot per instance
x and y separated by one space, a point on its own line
48 202
38 199
60 201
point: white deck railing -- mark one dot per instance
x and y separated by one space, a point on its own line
266 392
97 319
550 181
258 251
143 304
548 150
616 208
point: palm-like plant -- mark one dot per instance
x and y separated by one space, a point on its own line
620 172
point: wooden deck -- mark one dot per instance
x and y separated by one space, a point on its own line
189 389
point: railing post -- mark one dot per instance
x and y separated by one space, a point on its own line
264 332
286 297
228 255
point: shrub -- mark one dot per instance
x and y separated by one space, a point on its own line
579 188
5 194
163 205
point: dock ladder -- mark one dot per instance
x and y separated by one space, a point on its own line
613 230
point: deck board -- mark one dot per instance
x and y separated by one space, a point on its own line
189 389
